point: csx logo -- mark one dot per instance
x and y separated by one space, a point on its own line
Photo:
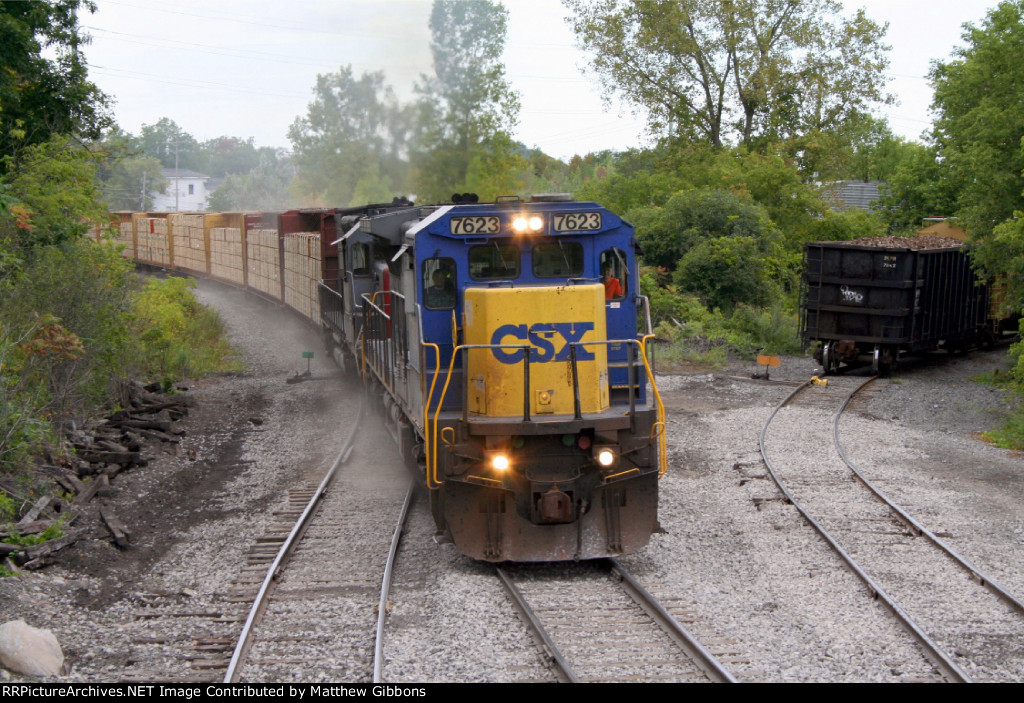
543 336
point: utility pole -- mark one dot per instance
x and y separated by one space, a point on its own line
142 196
176 138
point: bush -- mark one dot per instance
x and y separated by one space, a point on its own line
725 272
65 314
178 336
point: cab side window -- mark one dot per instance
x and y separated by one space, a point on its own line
360 264
439 291
614 274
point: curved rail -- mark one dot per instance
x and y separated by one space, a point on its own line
260 603
385 586
914 525
934 653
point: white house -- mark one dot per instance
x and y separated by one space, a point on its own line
186 191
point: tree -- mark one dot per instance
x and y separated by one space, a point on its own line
173 146
265 187
126 177
45 95
980 124
348 138
692 216
725 272
714 70
55 183
920 186
467 108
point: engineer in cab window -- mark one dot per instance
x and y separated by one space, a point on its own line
440 296
612 286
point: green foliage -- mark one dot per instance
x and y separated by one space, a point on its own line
467 109
68 308
864 149
694 216
843 226
699 335
54 181
918 187
126 177
23 400
54 531
179 337
8 508
350 139
499 168
719 70
43 77
724 272
1001 257
172 146
772 330
265 187
1011 434
979 123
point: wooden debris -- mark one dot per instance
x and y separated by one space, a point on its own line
116 527
38 551
33 514
90 489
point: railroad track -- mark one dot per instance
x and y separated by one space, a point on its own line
968 627
595 623
315 620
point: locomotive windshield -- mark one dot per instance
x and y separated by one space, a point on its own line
557 259
499 259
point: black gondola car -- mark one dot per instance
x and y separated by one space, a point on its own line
871 300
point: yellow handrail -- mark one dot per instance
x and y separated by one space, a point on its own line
657 430
440 402
426 405
660 424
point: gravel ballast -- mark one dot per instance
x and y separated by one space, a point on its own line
757 577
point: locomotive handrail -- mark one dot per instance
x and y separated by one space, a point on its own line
373 309
444 391
426 403
657 430
660 424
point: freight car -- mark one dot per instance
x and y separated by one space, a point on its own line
501 341
870 300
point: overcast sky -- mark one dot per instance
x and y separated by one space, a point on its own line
246 68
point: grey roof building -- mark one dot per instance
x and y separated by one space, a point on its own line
846 195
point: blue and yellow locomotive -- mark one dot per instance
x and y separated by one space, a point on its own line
502 341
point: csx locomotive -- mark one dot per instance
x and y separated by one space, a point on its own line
502 341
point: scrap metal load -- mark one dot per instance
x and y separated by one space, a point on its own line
872 299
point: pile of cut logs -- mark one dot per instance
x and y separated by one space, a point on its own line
112 446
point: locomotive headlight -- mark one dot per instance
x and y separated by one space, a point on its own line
500 462
605 456
520 224
536 223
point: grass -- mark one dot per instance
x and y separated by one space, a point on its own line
1011 434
